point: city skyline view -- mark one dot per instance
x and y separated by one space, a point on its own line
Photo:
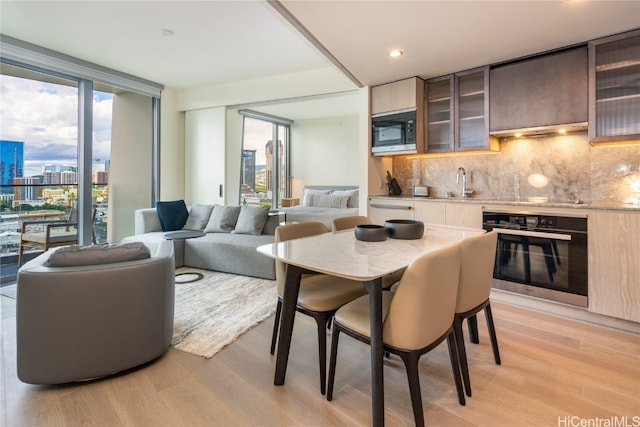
44 116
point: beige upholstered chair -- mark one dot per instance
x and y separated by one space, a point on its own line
418 316
47 234
320 295
346 222
476 274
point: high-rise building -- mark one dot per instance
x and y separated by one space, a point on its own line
68 177
68 168
100 177
27 189
11 162
51 177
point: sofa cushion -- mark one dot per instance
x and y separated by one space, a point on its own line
198 217
251 220
173 215
223 219
75 255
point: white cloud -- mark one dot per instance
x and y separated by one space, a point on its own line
45 117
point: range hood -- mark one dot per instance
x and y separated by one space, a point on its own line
541 130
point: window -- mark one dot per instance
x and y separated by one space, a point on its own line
265 159
62 153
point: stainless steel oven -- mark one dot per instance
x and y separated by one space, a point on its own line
541 255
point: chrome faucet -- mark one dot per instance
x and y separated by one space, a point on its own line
461 178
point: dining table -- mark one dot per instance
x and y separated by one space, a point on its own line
341 254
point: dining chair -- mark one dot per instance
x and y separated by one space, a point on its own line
320 295
347 222
476 275
417 317
45 234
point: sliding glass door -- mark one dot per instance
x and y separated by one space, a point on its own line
265 160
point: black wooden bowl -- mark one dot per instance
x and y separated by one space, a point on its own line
406 229
370 232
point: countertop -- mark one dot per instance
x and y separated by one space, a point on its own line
594 205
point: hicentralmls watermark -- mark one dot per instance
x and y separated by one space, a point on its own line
613 421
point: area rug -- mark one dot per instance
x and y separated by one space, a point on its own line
213 312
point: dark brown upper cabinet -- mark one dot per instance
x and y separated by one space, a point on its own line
540 92
456 108
614 82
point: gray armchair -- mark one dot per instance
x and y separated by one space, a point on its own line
84 322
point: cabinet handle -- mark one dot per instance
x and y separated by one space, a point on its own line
374 205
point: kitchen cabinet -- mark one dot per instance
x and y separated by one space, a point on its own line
458 214
382 209
614 270
614 83
404 94
456 108
543 91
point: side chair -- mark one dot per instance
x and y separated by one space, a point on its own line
418 316
320 295
45 234
476 274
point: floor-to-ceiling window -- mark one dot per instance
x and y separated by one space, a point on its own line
265 159
58 121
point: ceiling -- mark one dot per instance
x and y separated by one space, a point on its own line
216 43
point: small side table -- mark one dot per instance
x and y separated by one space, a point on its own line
287 202
183 235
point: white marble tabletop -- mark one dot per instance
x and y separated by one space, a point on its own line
341 254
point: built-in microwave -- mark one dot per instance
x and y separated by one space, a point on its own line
393 132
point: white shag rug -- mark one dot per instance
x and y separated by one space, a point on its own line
213 312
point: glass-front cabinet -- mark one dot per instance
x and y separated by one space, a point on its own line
457 112
439 114
614 79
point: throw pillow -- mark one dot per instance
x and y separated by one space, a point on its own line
308 196
74 255
173 215
353 201
251 220
223 219
331 201
198 217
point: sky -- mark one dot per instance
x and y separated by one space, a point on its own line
44 116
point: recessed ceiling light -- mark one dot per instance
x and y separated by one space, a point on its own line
562 131
395 53
165 32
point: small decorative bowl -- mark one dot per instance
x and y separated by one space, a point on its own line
370 232
406 229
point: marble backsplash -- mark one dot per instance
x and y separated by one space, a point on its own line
574 170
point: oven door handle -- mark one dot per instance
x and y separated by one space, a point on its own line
554 236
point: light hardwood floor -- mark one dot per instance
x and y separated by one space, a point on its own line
552 369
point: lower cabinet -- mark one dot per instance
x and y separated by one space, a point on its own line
614 269
454 214
383 209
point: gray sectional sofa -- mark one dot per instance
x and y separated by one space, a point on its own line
227 250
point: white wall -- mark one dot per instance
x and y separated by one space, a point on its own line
172 176
130 178
325 152
204 155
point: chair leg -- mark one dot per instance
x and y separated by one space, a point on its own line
410 360
276 325
20 252
472 323
492 334
332 361
455 367
462 353
321 321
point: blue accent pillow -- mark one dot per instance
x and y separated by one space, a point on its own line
173 215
